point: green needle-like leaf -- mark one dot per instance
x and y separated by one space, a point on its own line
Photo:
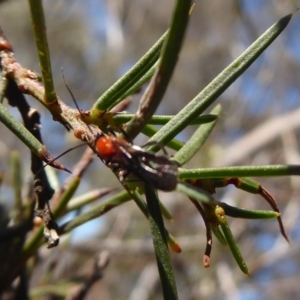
237 212
160 245
195 193
243 171
135 87
96 211
87 198
205 98
124 117
159 82
39 27
129 79
20 131
196 141
17 186
219 235
173 144
220 214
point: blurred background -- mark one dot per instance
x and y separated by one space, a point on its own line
97 41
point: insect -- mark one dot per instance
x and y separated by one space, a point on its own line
124 158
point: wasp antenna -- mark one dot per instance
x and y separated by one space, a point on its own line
74 100
62 154
126 135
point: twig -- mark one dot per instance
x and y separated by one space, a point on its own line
97 273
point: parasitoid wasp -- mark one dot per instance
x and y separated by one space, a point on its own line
125 159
